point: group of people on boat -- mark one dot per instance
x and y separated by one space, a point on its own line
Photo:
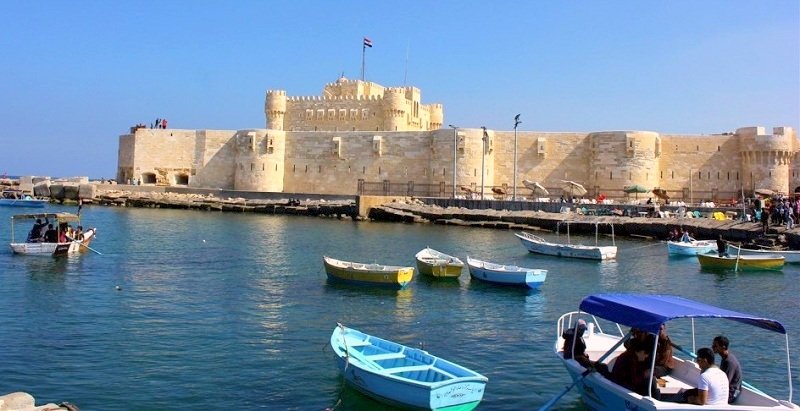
682 236
45 232
717 384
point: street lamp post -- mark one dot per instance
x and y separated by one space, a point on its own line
455 156
483 158
517 121
691 189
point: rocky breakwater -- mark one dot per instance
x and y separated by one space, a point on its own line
415 211
210 202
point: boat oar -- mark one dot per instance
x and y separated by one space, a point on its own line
554 400
81 243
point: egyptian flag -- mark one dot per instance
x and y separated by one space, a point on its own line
367 42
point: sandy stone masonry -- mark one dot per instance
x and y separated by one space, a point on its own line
362 131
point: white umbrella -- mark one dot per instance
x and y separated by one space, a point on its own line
535 187
574 188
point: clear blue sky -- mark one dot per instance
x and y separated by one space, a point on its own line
77 74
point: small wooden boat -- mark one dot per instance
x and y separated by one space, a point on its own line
372 274
506 274
604 342
16 198
742 262
404 376
790 256
55 249
438 264
539 245
693 247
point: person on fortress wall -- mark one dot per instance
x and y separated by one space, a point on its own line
163 123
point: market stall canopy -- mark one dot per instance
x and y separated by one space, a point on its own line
765 192
535 187
573 188
661 193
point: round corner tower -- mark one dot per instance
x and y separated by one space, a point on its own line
275 109
394 109
766 158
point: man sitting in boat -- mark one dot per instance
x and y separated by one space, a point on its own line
51 235
579 351
37 232
712 386
631 368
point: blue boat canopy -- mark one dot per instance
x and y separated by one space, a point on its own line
648 312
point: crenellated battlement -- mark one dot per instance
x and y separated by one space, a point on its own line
352 105
335 98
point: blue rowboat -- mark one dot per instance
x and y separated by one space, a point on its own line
648 313
506 274
402 376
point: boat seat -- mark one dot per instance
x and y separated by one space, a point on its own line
408 368
387 356
356 343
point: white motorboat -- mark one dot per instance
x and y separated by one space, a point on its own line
539 245
648 313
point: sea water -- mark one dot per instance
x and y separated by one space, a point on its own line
224 311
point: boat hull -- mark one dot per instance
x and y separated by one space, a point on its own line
436 264
690 248
744 262
539 246
506 275
6 202
368 274
790 256
55 249
403 376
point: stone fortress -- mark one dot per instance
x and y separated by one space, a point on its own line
360 132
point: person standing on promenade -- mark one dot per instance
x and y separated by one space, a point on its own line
730 365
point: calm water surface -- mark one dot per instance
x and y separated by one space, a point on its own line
233 311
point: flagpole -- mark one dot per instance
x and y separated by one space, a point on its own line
363 54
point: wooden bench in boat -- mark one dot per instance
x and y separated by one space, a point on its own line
387 356
411 368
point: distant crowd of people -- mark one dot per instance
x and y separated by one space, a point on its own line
776 210
632 369
45 232
159 123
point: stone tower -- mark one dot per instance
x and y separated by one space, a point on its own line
275 107
766 159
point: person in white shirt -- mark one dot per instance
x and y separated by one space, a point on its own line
712 387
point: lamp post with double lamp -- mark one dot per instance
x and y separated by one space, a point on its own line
455 155
517 121
483 157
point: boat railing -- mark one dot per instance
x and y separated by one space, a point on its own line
596 230
570 319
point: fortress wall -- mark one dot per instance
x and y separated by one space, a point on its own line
314 165
714 162
540 157
164 153
623 158
214 159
